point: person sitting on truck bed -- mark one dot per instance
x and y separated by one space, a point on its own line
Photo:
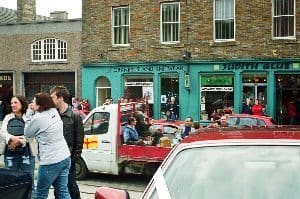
130 135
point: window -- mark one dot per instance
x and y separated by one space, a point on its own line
284 19
120 26
169 22
97 124
103 90
224 20
49 50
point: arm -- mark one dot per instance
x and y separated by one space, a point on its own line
31 126
79 137
3 131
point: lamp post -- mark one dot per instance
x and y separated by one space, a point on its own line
186 56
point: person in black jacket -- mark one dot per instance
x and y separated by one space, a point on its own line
73 133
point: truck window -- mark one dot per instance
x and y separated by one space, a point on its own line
97 124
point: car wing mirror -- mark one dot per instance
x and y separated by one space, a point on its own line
111 193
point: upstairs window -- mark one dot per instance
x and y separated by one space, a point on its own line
49 50
284 19
120 26
224 20
169 22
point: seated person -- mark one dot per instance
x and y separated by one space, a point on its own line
130 135
219 123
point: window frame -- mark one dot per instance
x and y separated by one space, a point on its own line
161 24
224 19
113 42
293 37
38 50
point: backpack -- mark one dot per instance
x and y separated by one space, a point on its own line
15 126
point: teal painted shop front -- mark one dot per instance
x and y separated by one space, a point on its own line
200 87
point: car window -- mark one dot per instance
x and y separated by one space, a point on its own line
96 124
234 172
232 121
169 129
261 122
247 121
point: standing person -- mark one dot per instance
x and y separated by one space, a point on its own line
257 108
246 109
292 112
73 133
53 154
172 109
19 153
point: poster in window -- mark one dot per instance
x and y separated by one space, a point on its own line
148 92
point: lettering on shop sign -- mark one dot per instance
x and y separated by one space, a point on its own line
133 69
256 66
5 78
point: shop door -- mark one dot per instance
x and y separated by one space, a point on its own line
255 91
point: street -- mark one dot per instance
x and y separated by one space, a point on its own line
134 184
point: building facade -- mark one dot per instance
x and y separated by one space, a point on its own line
38 52
209 55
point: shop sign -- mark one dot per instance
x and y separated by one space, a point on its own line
136 69
256 66
5 78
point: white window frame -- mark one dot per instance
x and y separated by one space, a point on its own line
42 48
120 26
171 22
223 18
273 23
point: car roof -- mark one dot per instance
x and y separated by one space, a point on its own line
170 122
247 115
250 133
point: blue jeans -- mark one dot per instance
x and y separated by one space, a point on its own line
56 175
20 162
72 184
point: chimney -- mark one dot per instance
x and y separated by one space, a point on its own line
59 15
26 10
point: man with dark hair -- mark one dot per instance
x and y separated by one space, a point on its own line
188 123
73 133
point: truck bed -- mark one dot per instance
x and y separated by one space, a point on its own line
143 153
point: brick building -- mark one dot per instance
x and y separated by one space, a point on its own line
38 52
209 55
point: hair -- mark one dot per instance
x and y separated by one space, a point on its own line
60 91
24 103
130 120
44 100
196 125
191 118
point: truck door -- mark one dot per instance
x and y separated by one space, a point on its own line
98 142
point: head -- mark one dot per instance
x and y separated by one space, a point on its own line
42 102
248 101
188 121
59 95
19 104
196 125
172 99
131 121
256 101
223 121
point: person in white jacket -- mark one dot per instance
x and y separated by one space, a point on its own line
19 153
53 152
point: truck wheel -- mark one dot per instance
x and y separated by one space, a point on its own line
81 169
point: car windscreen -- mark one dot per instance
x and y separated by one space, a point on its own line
234 172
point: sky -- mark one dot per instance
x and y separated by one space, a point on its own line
44 7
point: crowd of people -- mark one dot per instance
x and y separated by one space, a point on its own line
46 128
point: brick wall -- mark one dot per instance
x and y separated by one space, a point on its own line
253 32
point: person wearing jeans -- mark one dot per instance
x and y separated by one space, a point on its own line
53 152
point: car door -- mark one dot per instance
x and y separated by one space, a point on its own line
98 142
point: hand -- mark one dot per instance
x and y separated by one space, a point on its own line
15 141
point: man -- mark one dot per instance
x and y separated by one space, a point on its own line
187 127
130 135
73 133
223 121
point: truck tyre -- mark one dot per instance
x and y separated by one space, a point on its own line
81 169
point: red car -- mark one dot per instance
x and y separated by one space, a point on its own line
167 126
249 120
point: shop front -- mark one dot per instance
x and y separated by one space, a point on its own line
200 89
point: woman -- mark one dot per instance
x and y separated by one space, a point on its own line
257 108
53 152
19 154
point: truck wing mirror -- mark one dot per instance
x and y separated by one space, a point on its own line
111 193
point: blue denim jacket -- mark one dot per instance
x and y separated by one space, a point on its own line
130 134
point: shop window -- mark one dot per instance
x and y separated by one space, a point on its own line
284 22
224 20
139 88
170 96
170 21
120 25
103 90
217 96
49 49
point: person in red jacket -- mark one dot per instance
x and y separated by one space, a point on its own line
257 108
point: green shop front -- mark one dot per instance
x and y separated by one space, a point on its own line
200 88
